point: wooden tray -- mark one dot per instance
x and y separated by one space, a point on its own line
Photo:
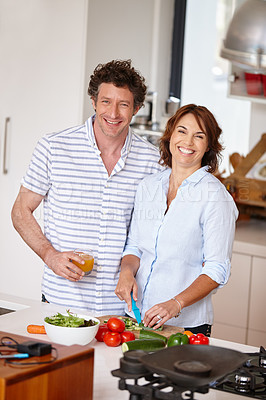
167 331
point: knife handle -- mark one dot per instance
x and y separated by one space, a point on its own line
133 301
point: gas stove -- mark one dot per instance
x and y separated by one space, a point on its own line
181 372
249 380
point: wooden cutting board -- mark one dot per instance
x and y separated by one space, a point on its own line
167 331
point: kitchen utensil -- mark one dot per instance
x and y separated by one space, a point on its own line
20 355
219 360
135 310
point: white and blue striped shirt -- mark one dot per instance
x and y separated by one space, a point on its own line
83 206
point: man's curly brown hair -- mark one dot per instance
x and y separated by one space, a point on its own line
121 74
207 124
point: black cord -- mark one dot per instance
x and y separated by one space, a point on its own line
19 363
9 342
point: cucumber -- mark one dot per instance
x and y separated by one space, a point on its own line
146 334
143 344
141 325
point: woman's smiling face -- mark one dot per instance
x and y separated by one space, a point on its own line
188 143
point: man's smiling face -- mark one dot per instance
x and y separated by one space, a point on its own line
114 110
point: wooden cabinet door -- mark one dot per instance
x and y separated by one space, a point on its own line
231 302
42 47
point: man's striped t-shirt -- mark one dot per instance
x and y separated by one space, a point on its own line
83 206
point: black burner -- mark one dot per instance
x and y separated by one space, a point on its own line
250 380
193 367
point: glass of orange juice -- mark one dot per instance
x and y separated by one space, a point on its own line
88 258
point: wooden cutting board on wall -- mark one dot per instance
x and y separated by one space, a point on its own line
167 331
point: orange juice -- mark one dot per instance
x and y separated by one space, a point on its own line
89 261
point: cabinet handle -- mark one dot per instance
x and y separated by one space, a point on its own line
5 171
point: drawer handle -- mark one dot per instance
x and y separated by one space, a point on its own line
5 170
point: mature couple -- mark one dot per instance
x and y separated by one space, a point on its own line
100 183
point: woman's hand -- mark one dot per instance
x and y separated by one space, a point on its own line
157 315
126 284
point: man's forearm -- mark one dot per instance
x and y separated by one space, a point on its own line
26 225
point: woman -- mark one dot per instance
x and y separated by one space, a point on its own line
180 241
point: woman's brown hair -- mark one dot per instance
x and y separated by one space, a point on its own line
207 123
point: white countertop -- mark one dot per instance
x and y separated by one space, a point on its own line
250 237
106 358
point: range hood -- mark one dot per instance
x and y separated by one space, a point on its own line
245 41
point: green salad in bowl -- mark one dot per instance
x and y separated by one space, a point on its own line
60 328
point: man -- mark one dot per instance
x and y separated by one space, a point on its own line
86 177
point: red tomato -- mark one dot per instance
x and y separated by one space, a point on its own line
112 339
127 336
199 339
205 340
200 335
102 330
116 325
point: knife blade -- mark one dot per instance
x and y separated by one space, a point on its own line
135 310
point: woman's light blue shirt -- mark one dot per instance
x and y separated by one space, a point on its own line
194 237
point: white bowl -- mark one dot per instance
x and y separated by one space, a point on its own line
68 336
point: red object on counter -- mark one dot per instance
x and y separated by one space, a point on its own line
264 84
254 83
199 338
102 330
127 336
112 339
116 325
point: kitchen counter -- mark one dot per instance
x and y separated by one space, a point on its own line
106 358
250 237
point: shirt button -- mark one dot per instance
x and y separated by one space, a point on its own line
100 267
98 294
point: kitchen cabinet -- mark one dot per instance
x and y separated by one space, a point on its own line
257 320
231 302
42 47
239 307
